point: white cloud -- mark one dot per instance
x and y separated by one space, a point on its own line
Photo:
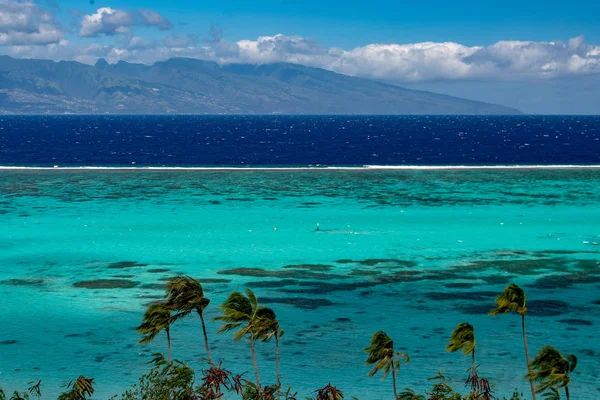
399 63
25 23
110 21
428 61
107 21
152 18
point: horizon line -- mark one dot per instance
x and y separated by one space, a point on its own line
308 168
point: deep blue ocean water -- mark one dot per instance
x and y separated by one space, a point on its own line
413 252
297 140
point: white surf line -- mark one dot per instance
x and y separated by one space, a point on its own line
341 168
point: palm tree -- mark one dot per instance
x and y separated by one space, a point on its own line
552 370
78 389
156 318
184 295
267 327
463 339
381 353
239 311
510 300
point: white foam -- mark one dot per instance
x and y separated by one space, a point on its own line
316 168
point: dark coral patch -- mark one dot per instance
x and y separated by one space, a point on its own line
473 309
106 284
214 280
364 272
310 267
23 282
564 281
125 264
317 287
517 266
304 303
153 286
460 285
547 308
371 262
475 296
575 321
497 279
288 273
273 284
564 252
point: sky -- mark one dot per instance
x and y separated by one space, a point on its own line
541 56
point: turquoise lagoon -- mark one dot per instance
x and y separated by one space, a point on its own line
412 252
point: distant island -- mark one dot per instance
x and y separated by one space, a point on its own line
190 86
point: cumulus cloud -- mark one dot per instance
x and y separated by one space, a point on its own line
428 61
26 23
398 63
107 21
110 21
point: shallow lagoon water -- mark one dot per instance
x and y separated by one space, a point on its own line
411 252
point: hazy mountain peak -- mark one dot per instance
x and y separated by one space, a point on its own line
101 63
184 85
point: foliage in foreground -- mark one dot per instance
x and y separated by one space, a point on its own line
170 379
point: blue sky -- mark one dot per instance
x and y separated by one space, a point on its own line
542 56
352 23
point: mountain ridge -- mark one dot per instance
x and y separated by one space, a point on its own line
191 86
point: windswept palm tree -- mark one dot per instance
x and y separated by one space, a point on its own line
513 299
381 353
551 370
267 327
239 311
156 318
184 295
463 339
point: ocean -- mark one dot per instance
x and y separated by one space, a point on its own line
235 202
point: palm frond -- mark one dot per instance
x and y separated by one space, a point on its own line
551 370
380 353
156 318
185 294
252 298
462 338
551 394
409 394
510 300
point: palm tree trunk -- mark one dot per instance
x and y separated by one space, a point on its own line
205 338
168 343
567 392
394 380
474 373
527 356
254 362
277 359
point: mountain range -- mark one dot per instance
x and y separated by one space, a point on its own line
190 86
